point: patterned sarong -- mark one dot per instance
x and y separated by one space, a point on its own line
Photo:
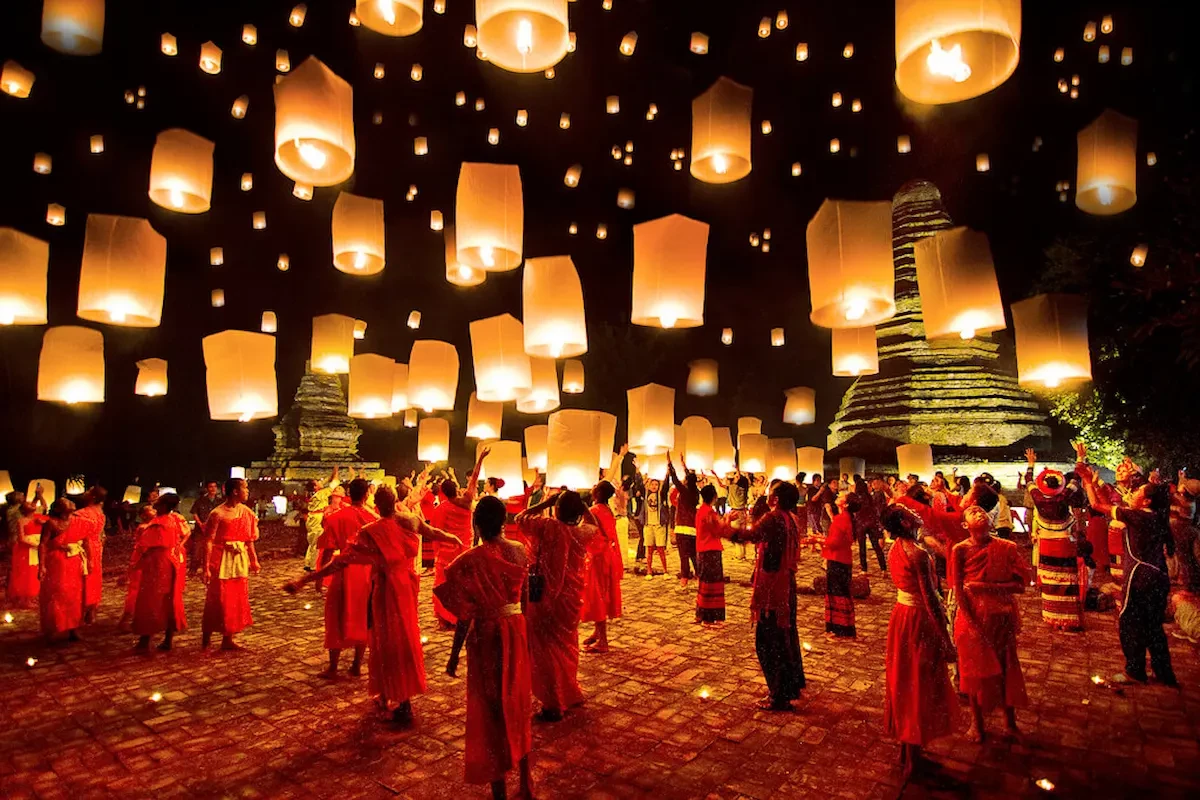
1058 574
710 596
839 607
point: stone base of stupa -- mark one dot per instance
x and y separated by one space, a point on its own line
300 471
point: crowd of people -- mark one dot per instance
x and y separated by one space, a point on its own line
516 578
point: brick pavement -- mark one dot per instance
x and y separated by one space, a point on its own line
80 723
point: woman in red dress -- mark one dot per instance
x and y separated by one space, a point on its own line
62 565
838 554
23 583
602 589
231 531
161 568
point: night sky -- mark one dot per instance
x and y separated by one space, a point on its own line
171 439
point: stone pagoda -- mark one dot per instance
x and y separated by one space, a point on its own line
952 394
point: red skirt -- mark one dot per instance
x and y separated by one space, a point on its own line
396 658
346 604
23 583
920 701
988 668
499 705
93 582
61 593
440 611
602 587
226 602
1097 536
158 604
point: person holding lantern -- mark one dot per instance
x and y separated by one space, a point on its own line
453 515
349 591
62 566
161 570
231 531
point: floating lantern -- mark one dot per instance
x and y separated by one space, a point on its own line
1106 178
522 118
835 145
836 100
572 229
1045 784
564 121
612 104
651 419
283 262
543 394
802 51
781 459
74 27
71 366
699 443
96 144
1089 32
572 42
332 343
414 320
777 338
724 454
122 274
1059 55
399 388
1106 24
796 169
555 326
702 377
489 216
314 125
957 280
1102 55
372 380
360 329
456 273
915 459
421 146
1138 257
721 132
258 220
432 375
572 441
749 425
269 322
856 105
240 106
848 50
410 418
535 446
982 163
572 382
1126 56
502 369
1052 340
1151 159
379 71
522 35
250 34
766 126
571 179
727 336
436 221
629 43
296 18
855 352
247 182
483 418
56 215
210 58
42 163
625 199
433 439
493 136
358 246
181 171
24 262
15 80
390 17
752 452
217 298
460 99
669 263
810 461
764 27
800 407
152 377
6 486
698 43
504 464
952 51
850 269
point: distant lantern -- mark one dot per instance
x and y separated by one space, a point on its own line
752 452
856 105
721 132
283 262
56 215
357 227
571 179
314 125
800 407
24 262
651 428
612 104
835 145
572 441
390 17
850 271
360 329
1137 258
1126 56
181 171
493 136
777 337
797 169
71 365
629 43
96 144
572 229
810 461
1089 32
456 273
247 182
42 163
699 449
766 126
502 369
15 80
210 58
371 382
414 320
258 220
764 27
564 121
379 71
702 378
957 280
903 144
436 221
432 375
748 425
1059 55
626 199
121 278
296 18
522 118
553 310
269 323
535 446
216 256
302 191
915 459
848 50
669 264
410 418
399 388
433 439
724 454
152 377
1106 180
698 43
1102 55
982 163
74 27
835 100
855 352
572 382
1151 159
781 459
543 393
416 72
1052 340
421 146
489 216
1106 24
332 343
240 106
460 99
217 298
249 34
952 51
781 20
522 35
483 418
727 336
572 42
802 51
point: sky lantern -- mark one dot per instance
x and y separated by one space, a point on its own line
669 263
56 215
553 308
855 352
953 50
959 293
122 274
217 298
210 58
543 394
270 322
698 43
699 440
71 365
810 461
850 271
456 273
721 132
358 247
483 418
15 80
678 450
504 464
6 484
651 428
399 388
724 453
572 381
778 339
535 446
781 459
42 163
314 125
24 261
748 425
152 377
606 439
522 35
74 27
410 418
572 441
752 452
489 216
915 459
181 172
629 43
360 329
432 375
1052 340
390 17
800 407
1106 178
502 370
433 439
702 377
332 343
372 378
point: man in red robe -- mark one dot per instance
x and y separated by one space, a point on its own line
231 530
161 568
91 514
350 589
62 565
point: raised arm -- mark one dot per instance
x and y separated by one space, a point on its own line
613 473
672 476
536 510
473 481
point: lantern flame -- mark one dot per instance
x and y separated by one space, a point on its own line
967 333
488 256
720 165
311 154
77 391
8 315
387 11
176 198
464 272
247 405
855 309
524 37
1104 193
948 63
360 260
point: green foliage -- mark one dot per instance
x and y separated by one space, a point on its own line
1084 411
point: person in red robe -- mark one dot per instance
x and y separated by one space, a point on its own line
710 562
349 592
837 550
602 589
485 586
134 576
558 554
91 513
161 570
453 515
62 565
23 583
985 575
231 531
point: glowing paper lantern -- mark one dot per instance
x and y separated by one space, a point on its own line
42 163
502 370
314 125
372 378
752 452
123 270
71 365
903 144
390 17
543 393
15 80
702 377
74 27
553 308
456 273
410 418
96 144
982 163
489 216
181 171
571 178
399 388
612 104
572 382
258 220
240 106
504 464
800 407
850 271
240 373
572 440
699 43
522 35
250 34
217 298
810 461
360 329
699 441
24 262
358 246
432 375
283 62
724 454
6 484
483 418
748 425
669 263
777 337
269 322
781 459
332 343
414 320
1137 258
152 377
210 58
56 215
915 459
1052 340
959 293
1106 179
433 439
535 446
49 490
952 50
721 132
75 486
855 352
651 419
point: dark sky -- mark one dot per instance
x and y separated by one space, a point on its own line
172 440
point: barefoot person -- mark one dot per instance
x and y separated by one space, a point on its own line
349 591
62 565
602 589
985 575
161 569
231 531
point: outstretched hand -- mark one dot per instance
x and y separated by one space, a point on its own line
1080 451
1030 456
